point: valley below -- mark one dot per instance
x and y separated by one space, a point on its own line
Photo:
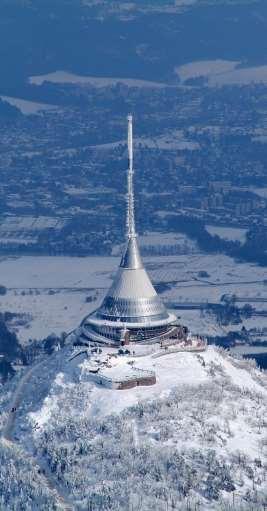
51 295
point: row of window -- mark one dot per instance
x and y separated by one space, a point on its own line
135 333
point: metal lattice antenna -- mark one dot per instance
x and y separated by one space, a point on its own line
130 219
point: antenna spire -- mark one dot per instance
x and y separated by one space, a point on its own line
130 220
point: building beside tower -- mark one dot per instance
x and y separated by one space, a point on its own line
131 310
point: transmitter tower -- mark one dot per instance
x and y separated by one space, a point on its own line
131 311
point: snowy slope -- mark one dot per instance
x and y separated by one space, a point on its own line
198 432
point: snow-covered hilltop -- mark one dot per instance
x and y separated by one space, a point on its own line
193 440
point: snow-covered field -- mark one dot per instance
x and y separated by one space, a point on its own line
228 233
262 192
222 72
207 68
218 72
30 223
169 239
66 77
28 107
162 242
53 290
25 229
146 7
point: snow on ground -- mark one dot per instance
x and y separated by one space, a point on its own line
196 291
262 192
203 406
248 350
171 141
26 229
162 242
78 191
218 72
55 272
47 313
129 8
172 371
30 223
205 68
203 324
259 322
28 107
170 239
228 233
66 77
222 72
240 377
53 290
241 76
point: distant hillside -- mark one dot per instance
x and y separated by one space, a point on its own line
125 40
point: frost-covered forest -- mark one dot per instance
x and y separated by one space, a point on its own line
195 446
169 451
21 486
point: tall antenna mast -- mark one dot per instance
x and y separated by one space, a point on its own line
130 220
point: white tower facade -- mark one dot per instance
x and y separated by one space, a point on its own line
131 305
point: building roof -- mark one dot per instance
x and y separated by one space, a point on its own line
132 295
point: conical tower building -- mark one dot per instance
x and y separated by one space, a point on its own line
131 309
